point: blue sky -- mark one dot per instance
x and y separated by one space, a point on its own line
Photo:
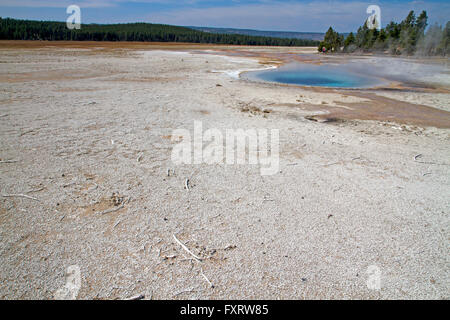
277 15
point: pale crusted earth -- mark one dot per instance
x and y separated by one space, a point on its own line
80 125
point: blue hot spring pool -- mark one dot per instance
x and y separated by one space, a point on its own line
330 76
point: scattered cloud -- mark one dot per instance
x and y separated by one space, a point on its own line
290 15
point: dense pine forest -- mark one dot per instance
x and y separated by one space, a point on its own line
12 29
409 37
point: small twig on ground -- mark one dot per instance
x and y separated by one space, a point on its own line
19 196
9 161
184 291
138 297
92 188
122 205
332 164
4 115
424 162
207 280
68 185
26 132
434 163
198 259
113 210
186 184
229 247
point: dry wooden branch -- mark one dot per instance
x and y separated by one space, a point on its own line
138 297
425 162
184 291
434 163
332 164
9 161
68 185
227 248
207 280
122 205
113 210
198 259
19 196
26 132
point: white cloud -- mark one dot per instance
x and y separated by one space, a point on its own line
311 15
297 16
55 3
82 3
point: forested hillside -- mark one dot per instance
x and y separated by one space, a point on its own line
276 34
12 29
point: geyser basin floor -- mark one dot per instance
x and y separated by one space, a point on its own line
259 236
328 76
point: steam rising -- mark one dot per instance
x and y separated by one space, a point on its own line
412 71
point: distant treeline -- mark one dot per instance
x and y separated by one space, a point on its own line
409 37
12 29
318 36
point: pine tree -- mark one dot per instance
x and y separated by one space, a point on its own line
422 23
333 41
350 40
444 46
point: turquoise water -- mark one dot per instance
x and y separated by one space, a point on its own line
315 76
